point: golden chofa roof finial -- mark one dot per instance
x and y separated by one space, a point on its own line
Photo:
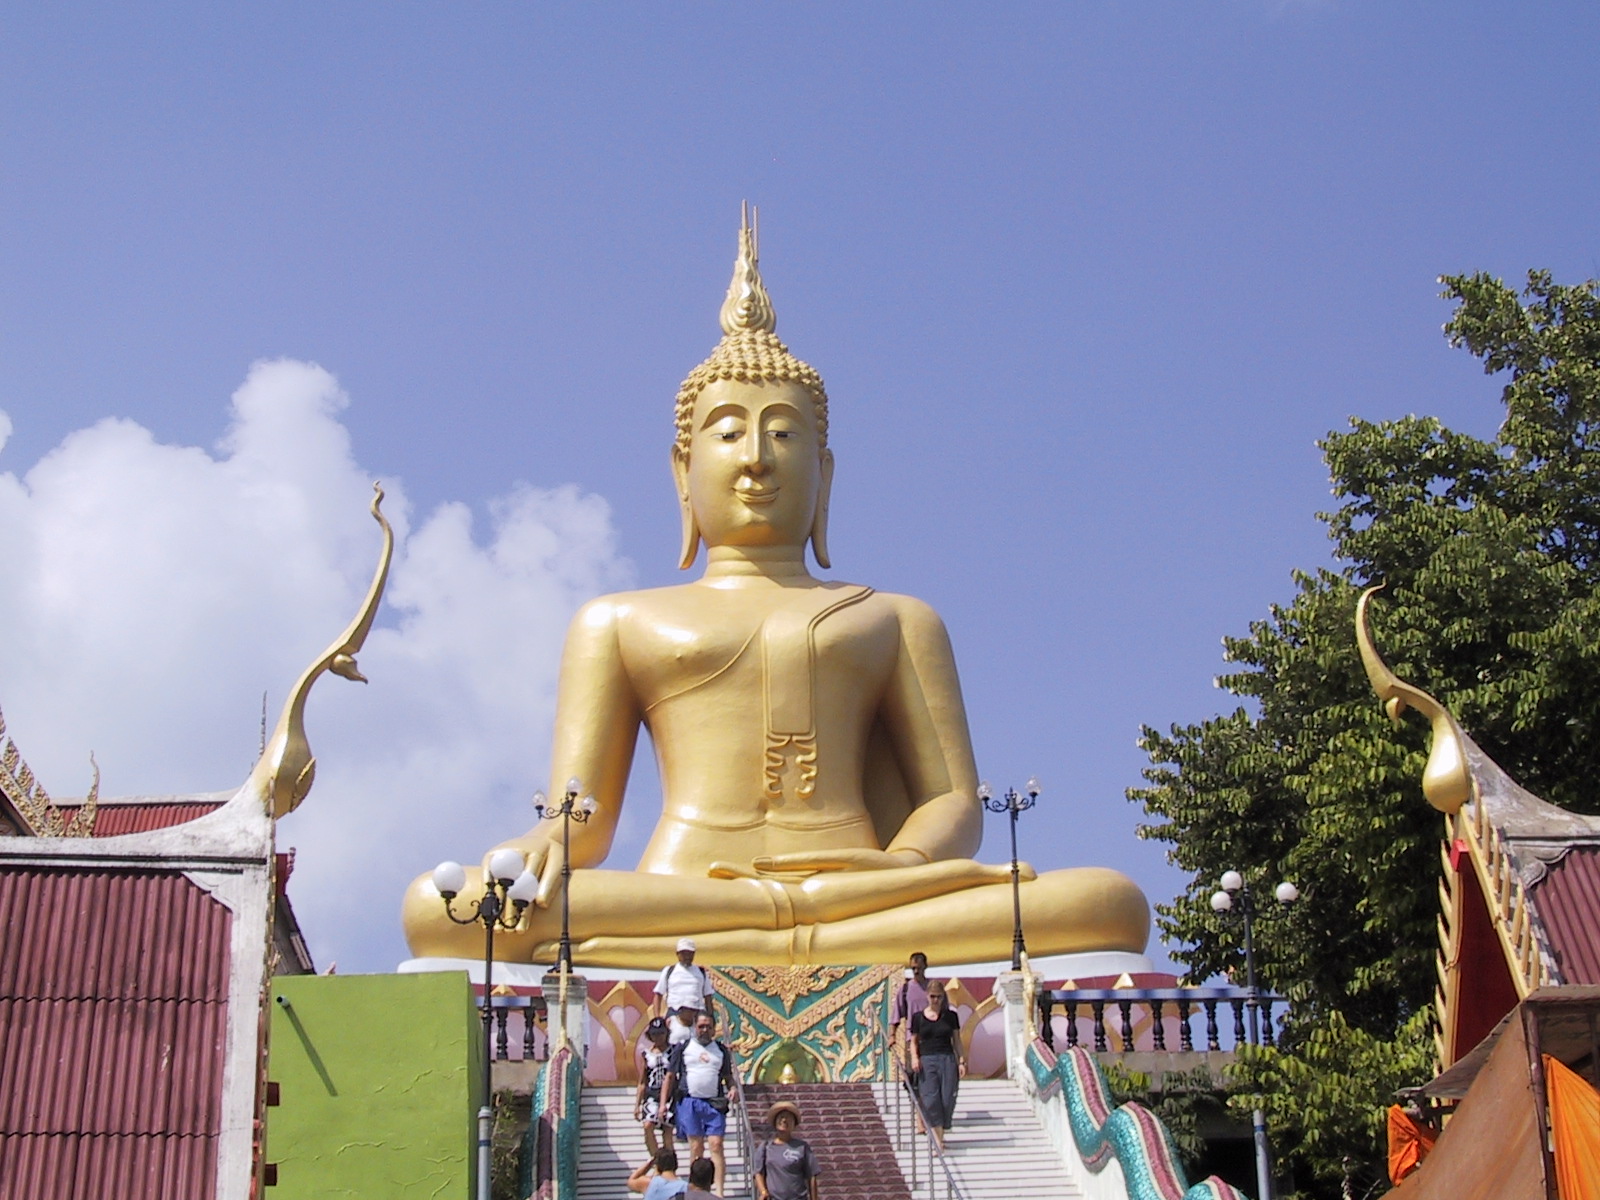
1446 781
286 769
748 307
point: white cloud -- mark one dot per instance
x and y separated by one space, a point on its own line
154 592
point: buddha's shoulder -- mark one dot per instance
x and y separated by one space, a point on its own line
620 609
909 609
648 604
914 617
616 608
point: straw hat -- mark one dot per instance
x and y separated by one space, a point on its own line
782 1106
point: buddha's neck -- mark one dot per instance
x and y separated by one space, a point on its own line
733 563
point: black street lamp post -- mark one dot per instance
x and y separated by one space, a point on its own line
569 810
508 888
1222 903
1013 804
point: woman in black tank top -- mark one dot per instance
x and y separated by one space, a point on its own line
937 1058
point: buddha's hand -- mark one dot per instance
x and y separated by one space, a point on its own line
791 868
544 861
805 863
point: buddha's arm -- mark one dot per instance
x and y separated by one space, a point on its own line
928 725
597 728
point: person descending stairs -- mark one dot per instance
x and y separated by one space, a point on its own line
610 1147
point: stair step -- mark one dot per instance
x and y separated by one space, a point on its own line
997 1148
846 1131
611 1144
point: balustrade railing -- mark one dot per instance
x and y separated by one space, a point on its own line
1151 1018
520 1024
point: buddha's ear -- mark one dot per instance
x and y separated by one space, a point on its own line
819 522
691 530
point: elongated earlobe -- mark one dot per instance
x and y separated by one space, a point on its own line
691 530
819 522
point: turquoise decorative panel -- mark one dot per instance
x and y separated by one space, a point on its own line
828 1024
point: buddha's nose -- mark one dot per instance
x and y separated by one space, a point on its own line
753 453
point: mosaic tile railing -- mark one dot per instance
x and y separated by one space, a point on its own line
1131 1133
550 1148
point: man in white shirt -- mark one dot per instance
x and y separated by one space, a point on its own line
682 993
700 1085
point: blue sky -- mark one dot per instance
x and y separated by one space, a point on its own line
1086 282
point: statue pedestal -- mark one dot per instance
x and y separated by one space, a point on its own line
821 1023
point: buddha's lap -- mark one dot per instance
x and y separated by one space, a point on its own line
1063 911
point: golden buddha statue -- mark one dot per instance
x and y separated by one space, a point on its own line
820 801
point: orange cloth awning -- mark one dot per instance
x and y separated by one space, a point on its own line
1409 1142
1575 1131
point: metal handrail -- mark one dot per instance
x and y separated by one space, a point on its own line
952 1189
746 1134
900 1082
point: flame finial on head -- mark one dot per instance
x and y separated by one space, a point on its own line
748 307
750 350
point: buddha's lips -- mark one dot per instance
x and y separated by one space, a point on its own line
752 497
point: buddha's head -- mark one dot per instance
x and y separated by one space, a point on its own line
751 458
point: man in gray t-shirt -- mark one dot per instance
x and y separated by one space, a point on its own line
785 1167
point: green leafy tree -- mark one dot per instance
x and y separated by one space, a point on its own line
1490 552
1319 1096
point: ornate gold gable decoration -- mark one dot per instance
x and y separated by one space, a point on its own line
33 803
1475 843
287 768
1446 782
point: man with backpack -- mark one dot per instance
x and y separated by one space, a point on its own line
683 991
700 1085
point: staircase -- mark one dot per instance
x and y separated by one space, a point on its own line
846 1131
997 1149
611 1146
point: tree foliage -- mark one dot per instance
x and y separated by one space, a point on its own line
1332 1074
1490 552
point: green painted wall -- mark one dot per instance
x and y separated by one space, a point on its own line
379 1079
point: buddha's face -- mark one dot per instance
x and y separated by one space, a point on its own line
755 469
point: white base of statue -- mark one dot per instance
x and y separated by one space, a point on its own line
1053 968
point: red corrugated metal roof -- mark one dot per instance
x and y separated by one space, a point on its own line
1567 899
113 819
113 1021
102 1167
